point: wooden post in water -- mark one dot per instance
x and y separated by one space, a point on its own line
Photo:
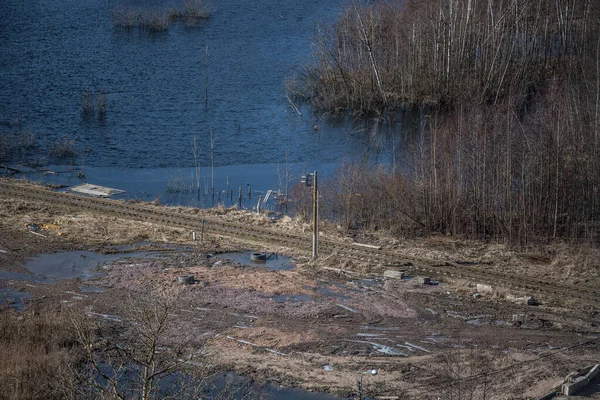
249 192
315 217
258 204
240 197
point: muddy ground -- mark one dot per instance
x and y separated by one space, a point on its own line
307 326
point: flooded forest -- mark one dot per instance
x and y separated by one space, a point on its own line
509 93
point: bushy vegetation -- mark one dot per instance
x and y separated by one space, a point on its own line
70 354
17 142
510 146
93 104
192 12
393 54
37 354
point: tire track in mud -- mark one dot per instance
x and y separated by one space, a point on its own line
345 251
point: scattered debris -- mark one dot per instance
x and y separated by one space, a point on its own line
484 289
370 334
382 348
241 315
50 227
10 170
518 317
255 345
576 381
454 314
328 367
525 300
105 316
340 271
369 246
421 280
346 308
393 274
95 190
74 293
275 352
417 347
186 279
380 328
39 234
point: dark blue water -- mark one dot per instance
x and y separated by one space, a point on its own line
52 51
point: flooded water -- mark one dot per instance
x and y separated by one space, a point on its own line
47 268
13 298
52 52
272 263
292 298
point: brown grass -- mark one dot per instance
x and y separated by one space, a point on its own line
192 12
37 356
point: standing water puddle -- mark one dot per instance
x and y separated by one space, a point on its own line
13 298
46 268
293 298
272 263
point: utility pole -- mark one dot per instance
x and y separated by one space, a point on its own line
308 180
315 218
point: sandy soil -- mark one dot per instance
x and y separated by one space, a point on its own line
313 328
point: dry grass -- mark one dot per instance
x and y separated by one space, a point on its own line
37 356
93 104
192 12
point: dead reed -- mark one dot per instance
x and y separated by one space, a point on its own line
192 12
93 104
37 356
62 149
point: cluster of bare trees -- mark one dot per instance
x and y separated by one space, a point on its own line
510 146
71 354
486 172
388 55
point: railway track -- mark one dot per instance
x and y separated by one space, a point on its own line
345 251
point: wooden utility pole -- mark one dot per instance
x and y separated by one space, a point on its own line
315 217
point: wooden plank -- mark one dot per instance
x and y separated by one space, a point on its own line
370 246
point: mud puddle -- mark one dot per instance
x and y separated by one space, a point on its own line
84 265
292 298
13 298
273 262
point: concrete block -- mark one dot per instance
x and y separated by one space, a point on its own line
525 300
591 375
569 389
393 274
185 279
484 289
421 280
518 317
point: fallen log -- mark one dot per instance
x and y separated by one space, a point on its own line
10 170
